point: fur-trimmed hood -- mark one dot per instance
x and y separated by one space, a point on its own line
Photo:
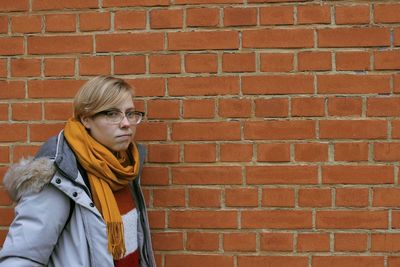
28 176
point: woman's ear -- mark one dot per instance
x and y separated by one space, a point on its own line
85 121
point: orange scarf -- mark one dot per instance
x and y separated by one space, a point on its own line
106 175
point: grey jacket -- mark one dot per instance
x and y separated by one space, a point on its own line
56 222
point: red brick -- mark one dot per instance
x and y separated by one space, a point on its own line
278 84
148 86
352 219
202 241
238 62
241 242
12 89
279 130
279 62
151 131
387 13
155 176
354 14
386 242
163 109
11 46
353 84
354 242
70 44
308 61
203 219
353 37
207 175
274 152
241 197
203 40
276 15
313 242
170 63
157 219
13 132
352 197
60 23
176 260
204 198
353 129
42 132
134 3
24 151
314 14
130 64
166 18
198 108
5 199
4 112
167 241
3 24
386 197
193 86
3 68
22 5
26 111
24 67
278 197
387 60
236 152
200 63
281 174
95 21
240 16
387 151
207 1
272 261
171 197
4 158
276 242
276 219
53 88
311 152
129 42
347 261
278 38
393 261
351 151
60 5
357 174
395 128
315 197
202 17
352 60
272 107
99 65
6 216
130 20
200 152
308 107
59 67
163 153
26 24
345 106
235 108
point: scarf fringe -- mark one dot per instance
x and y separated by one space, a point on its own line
116 244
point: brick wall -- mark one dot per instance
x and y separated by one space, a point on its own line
272 126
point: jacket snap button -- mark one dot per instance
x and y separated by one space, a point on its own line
91 205
75 194
58 181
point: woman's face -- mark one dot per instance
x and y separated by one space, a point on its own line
114 136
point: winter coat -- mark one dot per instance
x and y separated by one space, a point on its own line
56 222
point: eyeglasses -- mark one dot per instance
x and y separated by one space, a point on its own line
115 116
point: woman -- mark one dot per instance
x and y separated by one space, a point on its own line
79 201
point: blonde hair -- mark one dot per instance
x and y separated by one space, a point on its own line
100 93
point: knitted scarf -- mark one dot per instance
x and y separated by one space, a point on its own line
106 175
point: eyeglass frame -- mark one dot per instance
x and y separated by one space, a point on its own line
122 115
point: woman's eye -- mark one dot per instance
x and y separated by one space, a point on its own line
112 114
130 114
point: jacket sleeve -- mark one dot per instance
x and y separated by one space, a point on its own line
39 221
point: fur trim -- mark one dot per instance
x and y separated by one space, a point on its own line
28 176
